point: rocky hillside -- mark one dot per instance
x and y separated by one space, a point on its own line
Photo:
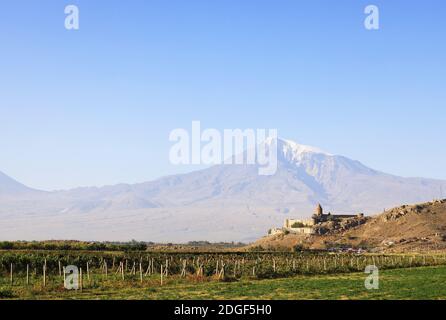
418 227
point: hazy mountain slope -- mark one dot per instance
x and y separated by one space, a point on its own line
9 186
224 202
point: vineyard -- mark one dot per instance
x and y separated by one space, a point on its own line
46 270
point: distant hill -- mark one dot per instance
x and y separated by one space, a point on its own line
406 228
220 203
10 187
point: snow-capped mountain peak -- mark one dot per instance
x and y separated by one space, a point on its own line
220 203
289 146
292 147
293 152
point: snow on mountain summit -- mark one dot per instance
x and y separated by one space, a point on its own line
220 203
292 147
293 152
289 146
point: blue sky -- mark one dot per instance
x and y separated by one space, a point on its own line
96 106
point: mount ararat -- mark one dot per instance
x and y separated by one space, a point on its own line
220 203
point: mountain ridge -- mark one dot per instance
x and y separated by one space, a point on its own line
219 203
10 186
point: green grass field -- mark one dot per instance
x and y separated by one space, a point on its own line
410 283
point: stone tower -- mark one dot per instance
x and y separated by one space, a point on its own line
319 211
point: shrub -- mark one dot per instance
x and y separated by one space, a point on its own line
297 225
298 248
6 245
6 293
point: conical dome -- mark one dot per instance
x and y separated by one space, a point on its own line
319 211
